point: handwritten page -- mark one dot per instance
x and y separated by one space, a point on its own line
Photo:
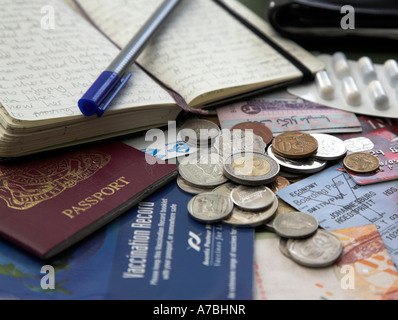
73 5
120 19
45 69
302 55
202 52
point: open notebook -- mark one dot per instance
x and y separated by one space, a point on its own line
203 56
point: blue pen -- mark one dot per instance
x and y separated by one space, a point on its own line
113 79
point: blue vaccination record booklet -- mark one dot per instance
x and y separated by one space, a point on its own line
156 251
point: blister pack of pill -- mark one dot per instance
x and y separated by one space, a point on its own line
360 86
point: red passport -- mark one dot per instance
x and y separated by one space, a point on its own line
49 204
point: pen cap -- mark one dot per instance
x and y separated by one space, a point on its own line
94 100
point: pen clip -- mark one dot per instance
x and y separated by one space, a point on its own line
112 95
102 93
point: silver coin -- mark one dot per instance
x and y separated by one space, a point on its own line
190 188
252 198
238 141
283 247
210 207
251 219
251 169
303 166
283 207
320 250
329 147
199 132
203 170
295 225
226 188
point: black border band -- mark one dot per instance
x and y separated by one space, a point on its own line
307 74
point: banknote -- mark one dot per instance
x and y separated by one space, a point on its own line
334 198
364 272
283 112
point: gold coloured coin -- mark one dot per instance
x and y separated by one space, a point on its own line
251 169
251 166
295 145
361 162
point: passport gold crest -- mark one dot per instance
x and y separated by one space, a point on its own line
24 187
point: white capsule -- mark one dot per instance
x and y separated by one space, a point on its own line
351 91
367 70
324 85
391 69
378 95
340 65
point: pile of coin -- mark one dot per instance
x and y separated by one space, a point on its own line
303 241
302 153
219 199
236 167
236 180
295 145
